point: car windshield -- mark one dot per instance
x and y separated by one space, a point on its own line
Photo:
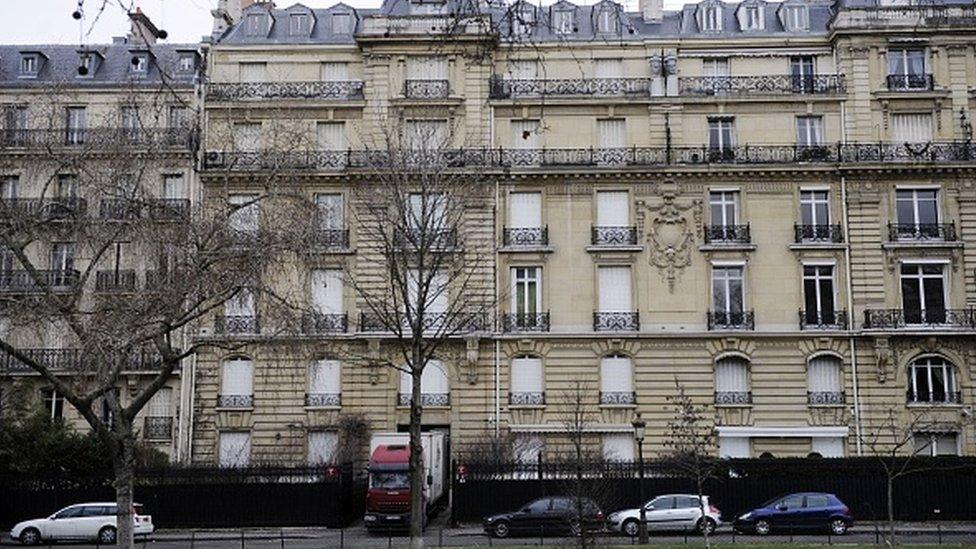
770 502
390 481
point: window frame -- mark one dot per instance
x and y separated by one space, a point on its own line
523 278
726 281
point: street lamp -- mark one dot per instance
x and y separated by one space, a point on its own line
639 427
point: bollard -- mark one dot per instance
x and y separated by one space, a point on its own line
684 531
242 539
733 536
193 539
542 538
389 538
829 538
875 533
342 538
282 533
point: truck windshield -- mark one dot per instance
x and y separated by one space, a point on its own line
390 481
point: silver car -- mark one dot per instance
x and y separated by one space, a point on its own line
672 512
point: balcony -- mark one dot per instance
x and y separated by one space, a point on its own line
158 209
41 281
425 240
616 321
820 320
733 398
426 89
424 26
235 401
613 236
508 88
525 322
818 234
896 319
100 140
908 16
525 237
157 428
729 320
330 240
923 232
320 323
117 281
444 323
826 398
236 325
256 91
936 396
54 359
618 398
910 82
323 400
43 209
773 84
426 399
727 234
523 398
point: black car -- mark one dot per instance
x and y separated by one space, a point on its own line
549 515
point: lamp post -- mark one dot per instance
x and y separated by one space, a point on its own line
639 426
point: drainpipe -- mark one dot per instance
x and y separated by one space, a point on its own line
850 307
496 307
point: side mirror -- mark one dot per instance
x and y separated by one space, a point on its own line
525 510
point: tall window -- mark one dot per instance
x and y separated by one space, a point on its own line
523 69
235 449
732 381
809 131
728 292
923 293
177 117
525 210
911 128
606 21
562 21
614 289
616 380
322 447
527 384
139 65
721 134
15 124
724 208
62 256
327 291
906 69
243 217
525 134
129 116
711 18
9 187
608 68
936 444
611 133
299 24
436 302
161 403
334 72
523 19
331 211
818 295
237 383
427 68
932 380
815 208
67 186
918 213
825 383
715 67
427 211
526 294
341 23
331 136
527 448
324 383
247 137
173 187
253 72
752 17
29 65
434 386
618 447
427 135
612 209
801 73
796 18
53 404
256 24
76 125
241 306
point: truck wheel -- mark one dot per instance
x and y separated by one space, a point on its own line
500 529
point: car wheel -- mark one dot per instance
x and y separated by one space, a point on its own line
838 527
762 527
631 528
30 536
705 526
107 535
500 530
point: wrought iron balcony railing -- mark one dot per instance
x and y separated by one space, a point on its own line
445 323
832 234
426 399
330 239
525 322
100 140
42 209
616 321
157 428
54 359
618 398
116 281
770 84
733 398
523 398
941 232
235 401
425 239
910 82
250 91
731 320
727 234
159 209
825 397
525 237
613 236
426 89
23 282
894 319
504 88
823 320
937 396
321 400
236 325
168 209
321 323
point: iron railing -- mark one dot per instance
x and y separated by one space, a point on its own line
159 209
933 397
426 399
618 398
616 321
523 398
731 320
910 82
42 209
240 325
770 84
53 359
727 234
115 281
625 235
245 91
525 322
823 320
524 237
733 397
319 400
445 323
157 428
425 239
426 89
893 319
321 323
235 401
504 88
330 239
825 397
100 140
833 234
21 281
943 232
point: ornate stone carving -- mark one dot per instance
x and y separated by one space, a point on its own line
671 228
671 64
656 64
884 358
471 360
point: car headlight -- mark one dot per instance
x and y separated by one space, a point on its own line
490 519
613 517
746 516
369 518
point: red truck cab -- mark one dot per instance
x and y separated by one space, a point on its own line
388 495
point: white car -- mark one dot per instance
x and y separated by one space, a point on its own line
673 512
84 521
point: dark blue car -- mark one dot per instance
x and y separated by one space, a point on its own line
796 512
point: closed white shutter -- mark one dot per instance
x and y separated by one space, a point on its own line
322 447
253 72
331 211
325 376
245 218
438 294
161 403
432 381
235 449
612 209
524 70
237 377
911 128
611 133
828 447
731 376
327 291
824 375
242 304
527 375
618 447
247 137
525 134
335 72
616 375
331 136
173 187
614 289
733 447
427 68
608 68
427 134
525 210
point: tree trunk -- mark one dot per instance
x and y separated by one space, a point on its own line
123 463
891 511
418 479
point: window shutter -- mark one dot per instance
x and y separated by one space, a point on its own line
527 448
173 187
618 447
432 381
331 136
253 72
608 68
335 72
325 376
527 375
322 446
247 137
242 304
427 134
524 70
616 375
235 449
733 447
237 379
331 212
828 447
612 209
327 291
161 403
911 128
614 289
824 375
526 209
731 376
611 133
525 134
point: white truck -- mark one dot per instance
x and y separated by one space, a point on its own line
388 495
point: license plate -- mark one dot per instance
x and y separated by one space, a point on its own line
391 518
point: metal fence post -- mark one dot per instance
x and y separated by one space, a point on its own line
242 539
389 537
542 538
282 537
342 538
938 528
193 539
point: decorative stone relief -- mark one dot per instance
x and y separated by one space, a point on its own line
615 346
672 229
822 417
717 347
884 358
471 360
374 360
733 416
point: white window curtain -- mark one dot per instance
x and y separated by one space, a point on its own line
525 210
244 218
242 304
809 131
327 291
325 377
731 376
911 128
335 72
524 69
161 403
426 68
237 377
525 134
828 447
253 72
616 375
608 68
331 211
715 67
527 375
235 449
611 133
612 209
247 137
331 136
614 292
733 447
618 447
433 380
322 446
427 211
824 375
173 187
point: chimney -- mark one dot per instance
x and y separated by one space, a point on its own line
229 12
142 30
651 10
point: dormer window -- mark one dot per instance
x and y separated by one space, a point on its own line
562 22
86 65
29 65
256 24
140 64
606 21
523 19
752 18
796 18
711 18
187 63
299 24
341 23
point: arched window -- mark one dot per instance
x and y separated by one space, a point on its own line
617 380
732 381
527 387
236 383
434 386
932 379
825 380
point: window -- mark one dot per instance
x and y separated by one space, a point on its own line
299 24
331 211
733 447
71 512
720 134
139 64
75 121
727 291
618 447
815 208
67 186
176 117
732 381
173 187
710 18
562 22
86 65
129 116
62 256
724 208
324 383
526 294
906 69
256 24
525 134
331 136
752 17
247 137
427 68
525 210
435 303
327 291
241 305
606 21
322 447
527 383
918 213
911 128
608 68
161 403
715 67
936 444
334 72
616 380
809 131
187 62
825 382
614 289
53 404
828 447
8 261
795 18
341 23
237 383
523 69
9 187
434 386
252 72
15 124
243 218
923 293
425 135
612 209
801 74
29 65
932 380
611 133
818 295
523 20
235 449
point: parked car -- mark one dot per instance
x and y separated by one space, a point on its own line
84 521
549 515
804 511
669 512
